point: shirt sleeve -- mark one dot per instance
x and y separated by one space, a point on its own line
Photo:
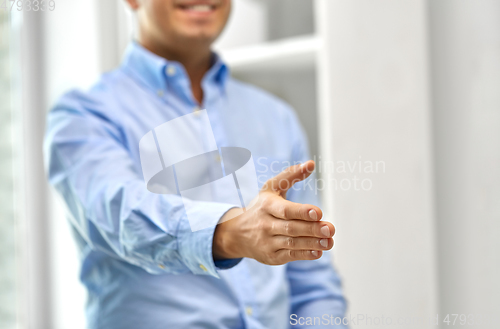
315 286
90 165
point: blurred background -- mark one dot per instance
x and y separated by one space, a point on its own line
401 103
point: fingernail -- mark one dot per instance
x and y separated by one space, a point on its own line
324 243
313 215
325 230
314 253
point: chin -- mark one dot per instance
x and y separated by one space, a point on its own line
197 34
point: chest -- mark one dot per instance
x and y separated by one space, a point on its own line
228 124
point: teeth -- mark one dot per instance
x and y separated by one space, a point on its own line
200 8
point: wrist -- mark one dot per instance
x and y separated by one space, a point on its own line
224 246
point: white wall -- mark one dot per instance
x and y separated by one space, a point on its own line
465 44
415 84
373 80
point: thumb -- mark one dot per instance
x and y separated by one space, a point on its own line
282 182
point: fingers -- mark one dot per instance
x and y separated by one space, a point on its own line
302 243
290 248
296 228
284 209
286 255
288 177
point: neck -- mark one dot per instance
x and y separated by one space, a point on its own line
196 59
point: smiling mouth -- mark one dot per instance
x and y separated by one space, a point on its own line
198 8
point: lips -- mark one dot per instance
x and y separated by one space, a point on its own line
198 6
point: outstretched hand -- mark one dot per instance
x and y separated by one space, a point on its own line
273 230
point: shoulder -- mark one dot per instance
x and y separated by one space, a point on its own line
80 111
96 100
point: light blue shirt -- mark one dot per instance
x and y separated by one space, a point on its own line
142 265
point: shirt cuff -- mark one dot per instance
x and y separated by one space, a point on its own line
195 248
225 264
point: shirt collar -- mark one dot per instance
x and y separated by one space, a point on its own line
153 70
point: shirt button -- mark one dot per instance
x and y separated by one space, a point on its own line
196 110
160 93
248 310
203 267
218 158
161 266
170 71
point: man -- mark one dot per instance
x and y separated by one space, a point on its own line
142 264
